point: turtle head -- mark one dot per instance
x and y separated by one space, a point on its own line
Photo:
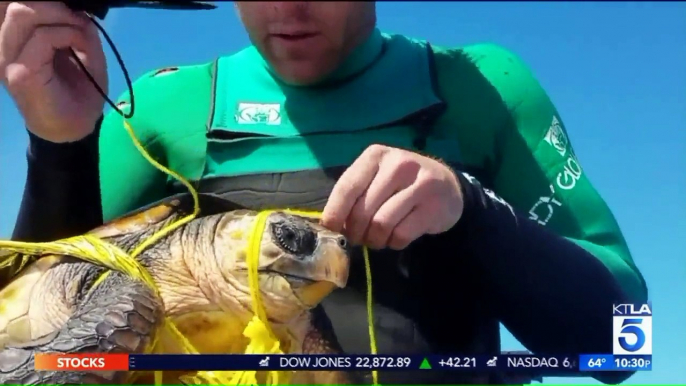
299 252
299 261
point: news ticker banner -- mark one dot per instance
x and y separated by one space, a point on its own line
543 365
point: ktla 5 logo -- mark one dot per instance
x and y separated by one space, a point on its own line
632 331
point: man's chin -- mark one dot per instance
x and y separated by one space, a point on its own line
301 71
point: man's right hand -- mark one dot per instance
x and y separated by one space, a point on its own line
57 100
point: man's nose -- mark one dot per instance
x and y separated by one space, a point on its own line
297 9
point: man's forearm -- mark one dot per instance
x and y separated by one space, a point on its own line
62 192
553 295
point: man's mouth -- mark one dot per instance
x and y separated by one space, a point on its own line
294 37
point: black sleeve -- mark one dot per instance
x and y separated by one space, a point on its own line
62 192
553 295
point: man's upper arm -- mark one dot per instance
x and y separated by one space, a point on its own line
171 111
538 173
127 180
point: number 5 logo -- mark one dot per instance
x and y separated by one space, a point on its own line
631 327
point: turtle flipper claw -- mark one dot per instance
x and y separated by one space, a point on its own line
120 315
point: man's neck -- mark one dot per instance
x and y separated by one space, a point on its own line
361 57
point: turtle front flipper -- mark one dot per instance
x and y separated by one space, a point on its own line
119 315
321 339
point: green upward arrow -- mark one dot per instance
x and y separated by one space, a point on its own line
425 365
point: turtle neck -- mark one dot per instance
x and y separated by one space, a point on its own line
363 56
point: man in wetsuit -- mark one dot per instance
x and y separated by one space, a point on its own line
451 162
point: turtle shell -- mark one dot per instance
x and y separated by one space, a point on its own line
179 205
16 295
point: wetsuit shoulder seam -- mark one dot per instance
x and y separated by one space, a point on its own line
150 101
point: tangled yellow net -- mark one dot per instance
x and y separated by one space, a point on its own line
262 339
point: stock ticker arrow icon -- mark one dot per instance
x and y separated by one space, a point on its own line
425 365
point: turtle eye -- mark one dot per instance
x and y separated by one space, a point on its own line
297 240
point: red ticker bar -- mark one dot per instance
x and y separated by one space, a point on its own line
81 362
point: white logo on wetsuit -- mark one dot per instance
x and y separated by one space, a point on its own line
556 137
499 199
470 178
545 202
571 171
569 175
489 192
256 113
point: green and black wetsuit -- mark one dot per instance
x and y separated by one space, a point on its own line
537 248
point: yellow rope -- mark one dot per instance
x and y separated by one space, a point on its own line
258 308
258 331
196 201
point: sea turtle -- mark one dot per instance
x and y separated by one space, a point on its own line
63 304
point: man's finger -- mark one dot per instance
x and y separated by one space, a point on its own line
352 184
40 50
21 19
391 178
409 229
391 213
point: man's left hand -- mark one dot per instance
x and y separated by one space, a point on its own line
390 197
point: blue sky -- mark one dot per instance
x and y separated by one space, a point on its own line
615 71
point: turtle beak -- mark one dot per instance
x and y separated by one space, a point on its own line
331 262
315 277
